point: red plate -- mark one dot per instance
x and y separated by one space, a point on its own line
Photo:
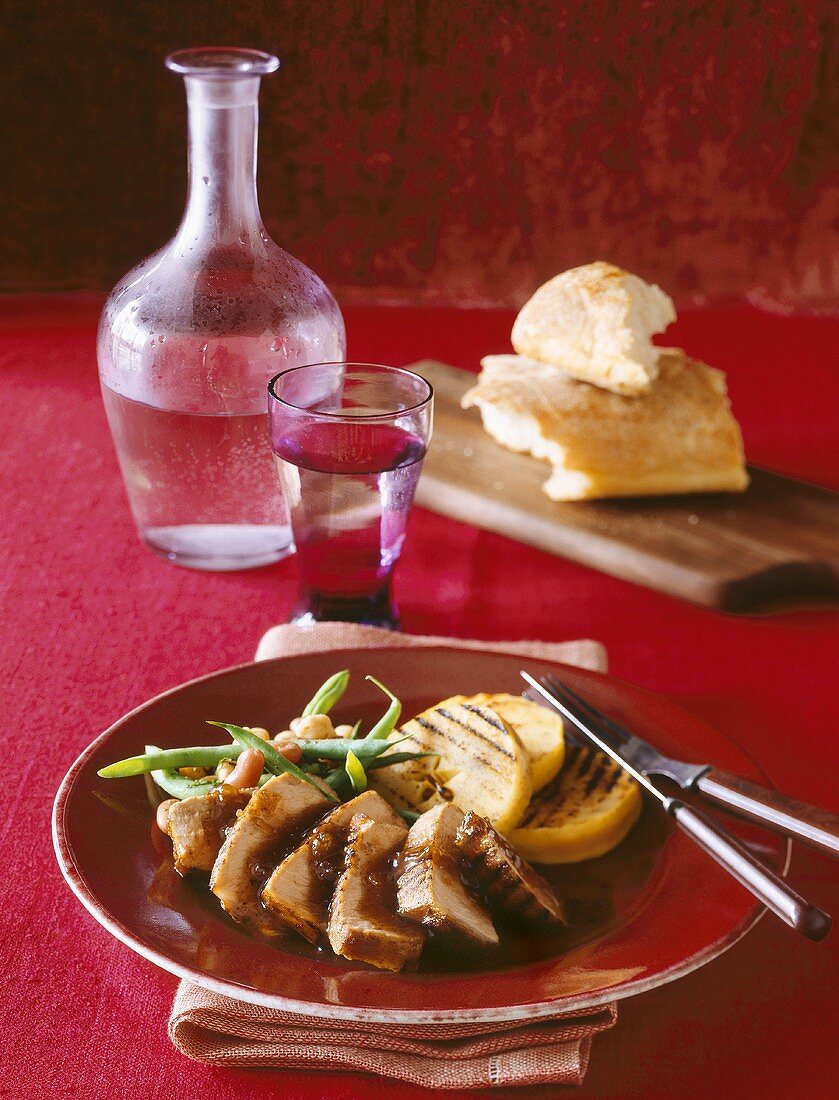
654 909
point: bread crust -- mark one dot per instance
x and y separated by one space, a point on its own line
597 321
681 437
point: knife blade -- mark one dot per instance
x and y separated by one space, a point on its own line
814 826
719 844
620 759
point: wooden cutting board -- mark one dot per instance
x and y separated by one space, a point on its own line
779 539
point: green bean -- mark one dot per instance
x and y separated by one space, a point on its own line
177 785
152 791
274 761
384 727
395 758
355 770
327 694
199 756
409 815
339 781
327 749
337 749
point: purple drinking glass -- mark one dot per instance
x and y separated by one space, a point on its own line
349 440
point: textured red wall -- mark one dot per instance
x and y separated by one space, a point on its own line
457 150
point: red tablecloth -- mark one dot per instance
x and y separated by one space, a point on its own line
94 624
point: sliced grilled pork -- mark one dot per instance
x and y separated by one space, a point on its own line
507 881
298 891
430 889
197 826
275 813
363 922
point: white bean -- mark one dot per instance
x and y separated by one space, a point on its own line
314 727
162 814
260 731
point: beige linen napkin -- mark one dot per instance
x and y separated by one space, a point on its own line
220 1030
289 641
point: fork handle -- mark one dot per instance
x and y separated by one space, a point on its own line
809 824
766 886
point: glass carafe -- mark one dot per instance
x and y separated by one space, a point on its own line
189 339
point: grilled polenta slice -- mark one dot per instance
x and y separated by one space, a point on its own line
585 812
539 730
478 762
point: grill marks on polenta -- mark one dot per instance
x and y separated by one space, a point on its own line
585 782
481 763
583 813
539 730
501 756
485 716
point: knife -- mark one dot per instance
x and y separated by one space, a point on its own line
729 853
775 811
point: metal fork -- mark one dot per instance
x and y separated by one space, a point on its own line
810 824
722 846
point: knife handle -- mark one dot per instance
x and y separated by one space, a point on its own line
766 886
813 826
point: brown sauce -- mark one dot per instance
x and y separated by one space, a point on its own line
328 851
271 857
599 894
381 900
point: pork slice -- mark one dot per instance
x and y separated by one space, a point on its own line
430 889
507 881
363 922
197 826
298 891
272 817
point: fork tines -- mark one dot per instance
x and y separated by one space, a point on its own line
606 727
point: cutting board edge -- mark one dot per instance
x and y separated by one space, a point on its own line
468 510
733 594
804 575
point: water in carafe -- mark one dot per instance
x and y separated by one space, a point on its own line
189 339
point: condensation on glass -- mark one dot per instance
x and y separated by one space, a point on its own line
189 339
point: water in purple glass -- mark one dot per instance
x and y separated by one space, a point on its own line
349 487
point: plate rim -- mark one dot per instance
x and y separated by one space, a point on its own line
536 1010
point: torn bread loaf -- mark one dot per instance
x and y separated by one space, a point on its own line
597 321
679 438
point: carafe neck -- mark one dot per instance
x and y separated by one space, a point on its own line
222 204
